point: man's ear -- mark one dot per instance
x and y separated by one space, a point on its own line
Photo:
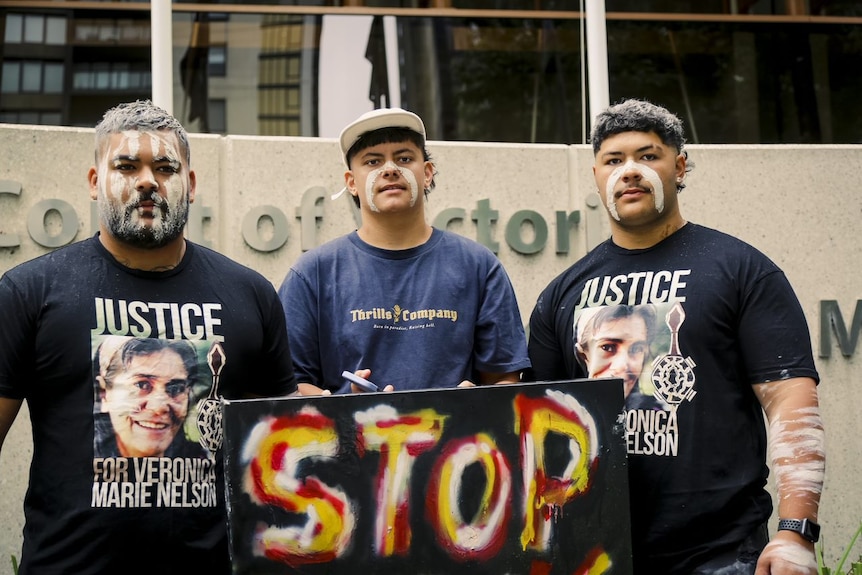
680 166
93 181
193 179
350 182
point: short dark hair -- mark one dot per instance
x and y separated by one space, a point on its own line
641 116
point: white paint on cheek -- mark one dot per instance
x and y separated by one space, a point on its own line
412 185
369 189
175 191
609 190
119 187
647 173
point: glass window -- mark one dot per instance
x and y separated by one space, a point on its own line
102 75
293 70
86 30
53 78
51 119
740 82
120 74
217 116
108 32
82 78
14 27
217 60
31 77
136 79
55 31
34 32
11 78
28 117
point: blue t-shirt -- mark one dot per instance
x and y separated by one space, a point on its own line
420 318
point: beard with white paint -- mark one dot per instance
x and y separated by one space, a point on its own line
123 217
648 174
412 186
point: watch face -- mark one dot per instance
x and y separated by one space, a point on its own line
814 529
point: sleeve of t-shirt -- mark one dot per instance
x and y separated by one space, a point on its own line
501 345
299 304
277 354
548 363
773 332
16 339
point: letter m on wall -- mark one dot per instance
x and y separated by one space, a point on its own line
831 320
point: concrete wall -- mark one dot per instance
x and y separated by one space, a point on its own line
798 204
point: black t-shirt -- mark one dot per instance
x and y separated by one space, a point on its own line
88 509
725 318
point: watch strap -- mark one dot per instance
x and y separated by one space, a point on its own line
807 529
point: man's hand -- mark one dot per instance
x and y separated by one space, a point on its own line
787 554
366 374
310 390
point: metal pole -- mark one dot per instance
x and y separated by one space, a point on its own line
162 66
597 58
393 70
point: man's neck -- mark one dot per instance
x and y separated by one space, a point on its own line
390 232
632 238
163 258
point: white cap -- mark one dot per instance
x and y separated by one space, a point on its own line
377 119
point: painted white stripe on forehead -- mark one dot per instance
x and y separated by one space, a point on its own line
132 139
647 173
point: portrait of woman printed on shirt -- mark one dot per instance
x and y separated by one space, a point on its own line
615 341
145 391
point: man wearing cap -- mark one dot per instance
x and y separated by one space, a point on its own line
398 301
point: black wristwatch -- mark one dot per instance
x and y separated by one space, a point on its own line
808 529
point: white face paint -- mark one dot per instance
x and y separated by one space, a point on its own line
412 186
648 174
120 197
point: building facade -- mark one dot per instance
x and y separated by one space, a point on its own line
737 71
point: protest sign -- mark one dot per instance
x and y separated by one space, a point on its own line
521 479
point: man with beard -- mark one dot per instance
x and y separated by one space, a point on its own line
139 278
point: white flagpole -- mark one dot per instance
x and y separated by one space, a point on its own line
161 39
597 58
